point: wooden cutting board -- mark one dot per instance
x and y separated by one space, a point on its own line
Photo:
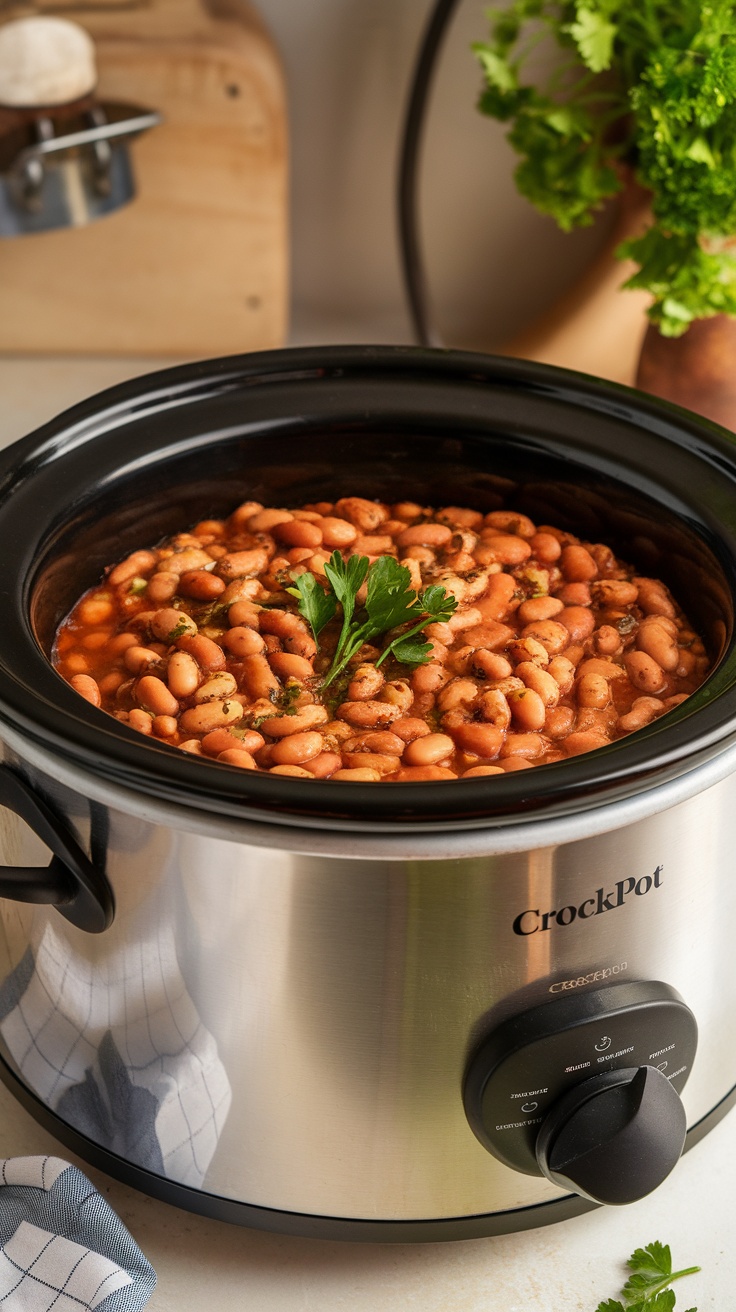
196 265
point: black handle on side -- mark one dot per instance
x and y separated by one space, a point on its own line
70 882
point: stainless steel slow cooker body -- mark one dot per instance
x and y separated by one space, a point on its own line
259 997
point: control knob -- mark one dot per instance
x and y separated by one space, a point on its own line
585 1090
615 1137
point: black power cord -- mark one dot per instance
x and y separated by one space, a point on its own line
412 263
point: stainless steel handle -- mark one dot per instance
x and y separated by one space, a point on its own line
128 127
71 882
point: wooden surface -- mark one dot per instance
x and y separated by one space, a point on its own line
196 265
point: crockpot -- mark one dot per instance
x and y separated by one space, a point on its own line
396 1012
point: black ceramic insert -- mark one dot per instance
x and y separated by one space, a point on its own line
147 458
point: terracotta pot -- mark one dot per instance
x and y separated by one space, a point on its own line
595 327
697 370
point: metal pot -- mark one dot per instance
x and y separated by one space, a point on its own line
341 1009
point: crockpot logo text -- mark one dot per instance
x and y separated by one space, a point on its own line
537 922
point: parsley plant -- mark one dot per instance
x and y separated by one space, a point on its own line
648 85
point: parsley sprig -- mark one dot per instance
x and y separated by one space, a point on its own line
647 86
648 1287
391 603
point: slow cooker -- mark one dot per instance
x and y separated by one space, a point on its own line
395 1012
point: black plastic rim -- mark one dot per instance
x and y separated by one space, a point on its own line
444 421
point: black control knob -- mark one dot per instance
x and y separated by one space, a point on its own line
615 1137
586 1089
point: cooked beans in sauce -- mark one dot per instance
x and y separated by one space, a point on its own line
555 647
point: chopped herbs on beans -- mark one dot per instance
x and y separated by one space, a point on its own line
362 641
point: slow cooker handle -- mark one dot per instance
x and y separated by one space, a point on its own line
71 883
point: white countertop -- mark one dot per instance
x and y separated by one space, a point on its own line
568 1267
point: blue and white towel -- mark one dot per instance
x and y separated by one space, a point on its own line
116 1047
62 1248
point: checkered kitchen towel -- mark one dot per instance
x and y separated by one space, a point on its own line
63 1248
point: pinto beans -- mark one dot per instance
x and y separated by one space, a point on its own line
490 634
200 584
365 515
577 743
337 532
169 625
539 608
429 750
540 681
154 696
162 587
527 709
425 535
528 745
577 565
242 564
212 715
545 547
485 740
288 666
137 659
382 741
237 756
593 690
223 740
358 776
654 639
553 636
410 727
242 641
208 654
398 693
653 598
259 678
282 726
498 596
87 687
579 622
323 766
291 629
298 533
412 774
555 647
182 674
369 714
297 748
365 683
644 672
216 688
139 562
506 548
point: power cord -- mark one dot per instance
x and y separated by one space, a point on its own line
412 263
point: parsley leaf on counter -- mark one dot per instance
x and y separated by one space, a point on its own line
648 1287
647 86
390 603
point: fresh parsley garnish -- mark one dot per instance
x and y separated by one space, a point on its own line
648 1287
137 586
391 602
316 605
649 85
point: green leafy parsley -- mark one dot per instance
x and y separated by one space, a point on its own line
391 603
645 86
648 1287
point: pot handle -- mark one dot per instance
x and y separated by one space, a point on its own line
70 882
